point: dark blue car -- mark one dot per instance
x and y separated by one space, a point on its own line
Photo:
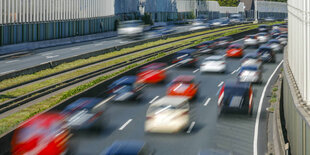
186 57
85 114
129 147
266 54
125 89
206 47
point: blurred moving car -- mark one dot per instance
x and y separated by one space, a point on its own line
186 57
235 18
152 73
236 97
275 45
213 64
263 37
220 22
263 28
85 114
183 85
206 47
199 24
223 42
250 73
275 26
125 89
250 40
251 59
128 147
170 114
266 54
275 33
162 30
234 50
132 28
270 19
283 28
283 39
43 134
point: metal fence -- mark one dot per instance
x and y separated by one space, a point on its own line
28 32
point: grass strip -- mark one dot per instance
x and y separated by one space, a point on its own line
66 76
24 78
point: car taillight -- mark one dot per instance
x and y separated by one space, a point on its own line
184 113
255 37
95 116
175 61
223 63
149 117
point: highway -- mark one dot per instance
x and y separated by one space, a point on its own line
231 132
41 56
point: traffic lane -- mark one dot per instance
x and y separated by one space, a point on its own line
203 127
45 55
236 132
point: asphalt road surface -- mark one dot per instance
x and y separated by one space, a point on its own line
45 55
230 132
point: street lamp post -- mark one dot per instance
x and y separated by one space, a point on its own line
255 11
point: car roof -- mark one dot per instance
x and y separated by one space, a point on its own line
83 103
249 67
186 51
274 41
125 147
214 57
251 55
237 85
170 100
264 47
125 80
184 78
235 46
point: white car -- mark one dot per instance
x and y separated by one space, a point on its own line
131 28
252 62
275 45
283 39
263 37
213 64
250 40
170 114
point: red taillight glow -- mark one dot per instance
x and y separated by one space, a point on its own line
149 117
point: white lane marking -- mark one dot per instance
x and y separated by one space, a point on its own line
156 97
191 127
196 70
235 70
11 61
123 42
76 48
260 109
207 102
124 125
104 101
219 85
45 54
51 57
169 67
7 72
238 40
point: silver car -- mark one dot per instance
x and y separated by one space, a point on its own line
275 45
250 40
250 74
263 37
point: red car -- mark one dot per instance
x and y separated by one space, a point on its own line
234 50
183 86
152 73
45 134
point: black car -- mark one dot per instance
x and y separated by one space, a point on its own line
207 47
125 89
263 28
236 97
128 147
